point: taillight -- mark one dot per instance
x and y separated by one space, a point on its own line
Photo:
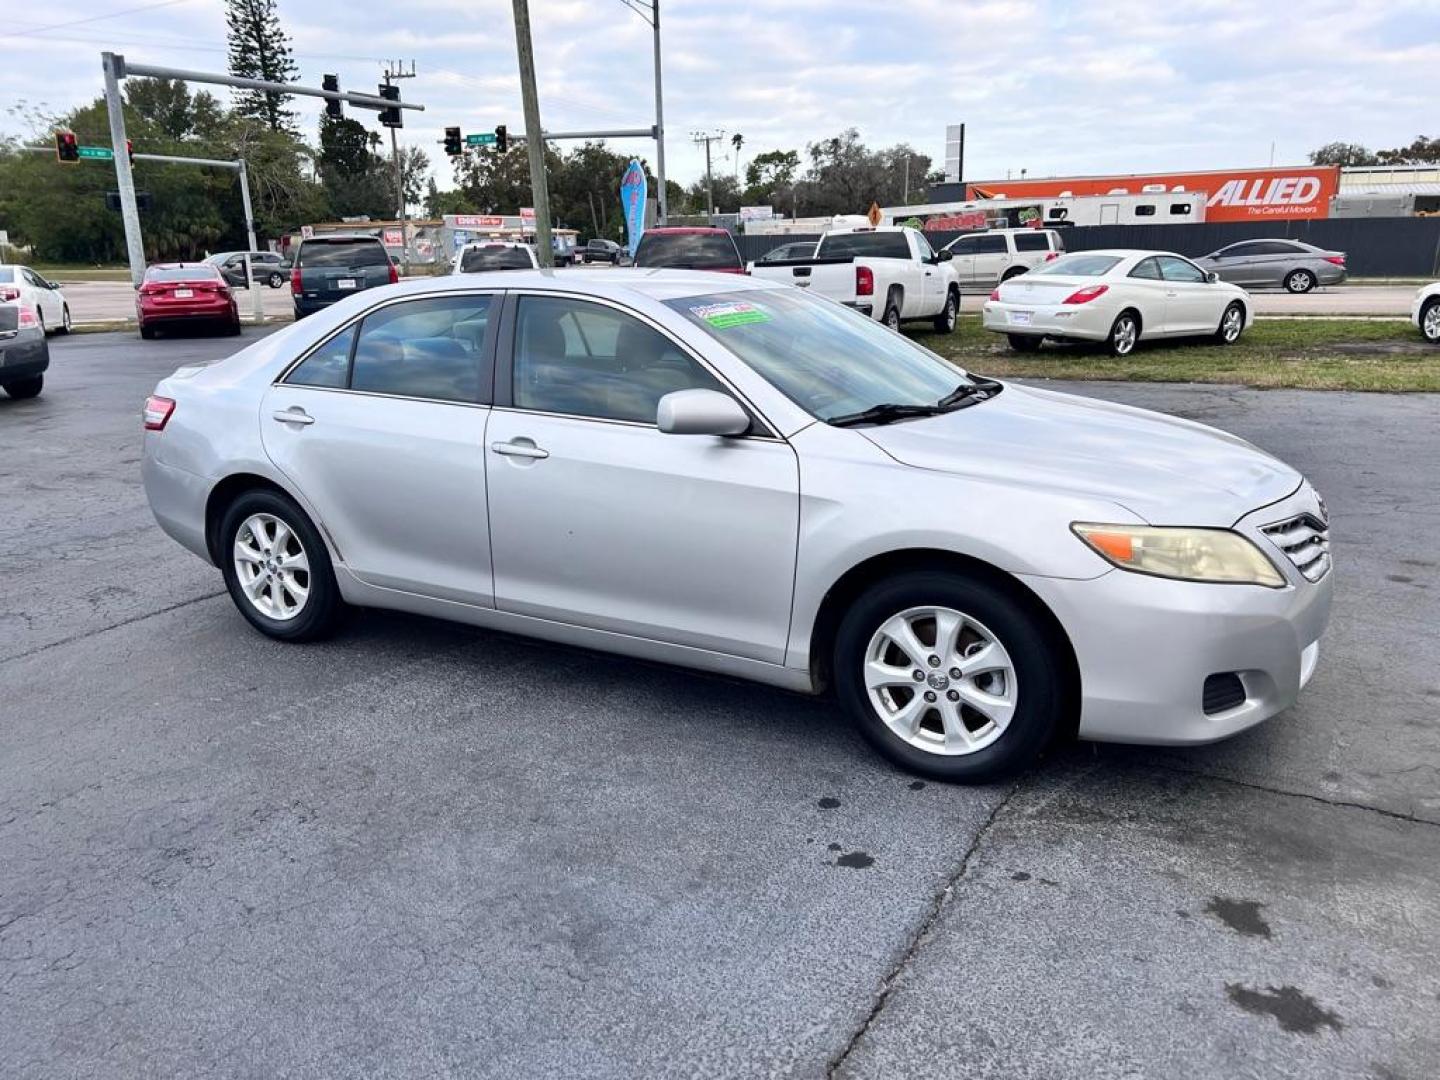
1051 256
295 281
157 412
1085 295
864 281
28 320
394 275
1338 260
9 293
995 294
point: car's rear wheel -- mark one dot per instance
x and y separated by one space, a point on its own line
1430 321
275 280
277 568
65 322
945 321
891 315
1124 334
25 388
1024 342
232 328
1299 281
147 332
1232 324
949 676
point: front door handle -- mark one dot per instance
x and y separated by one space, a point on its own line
294 415
518 448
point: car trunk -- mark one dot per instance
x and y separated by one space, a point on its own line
1036 288
332 271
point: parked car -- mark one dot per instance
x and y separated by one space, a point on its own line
486 255
1425 312
182 295
330 268
984 259
1117 297
889 273
1272 264
600 250
784 253
20 284
268 267
696 248
734 475
24 352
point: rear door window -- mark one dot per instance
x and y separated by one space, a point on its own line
991 245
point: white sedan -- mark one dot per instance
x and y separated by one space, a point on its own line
20 283
1425 312
1120 298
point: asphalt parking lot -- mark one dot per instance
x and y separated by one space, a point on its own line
426 850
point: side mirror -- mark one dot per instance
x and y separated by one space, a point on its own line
944 255
701 412
1212 277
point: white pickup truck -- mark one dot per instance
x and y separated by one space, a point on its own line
890 273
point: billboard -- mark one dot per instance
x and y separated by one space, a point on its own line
1230 194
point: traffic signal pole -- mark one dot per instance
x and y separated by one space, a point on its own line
124 178
534 148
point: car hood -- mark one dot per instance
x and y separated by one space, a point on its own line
1167 470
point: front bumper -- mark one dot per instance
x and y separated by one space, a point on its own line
1145 645
1084 322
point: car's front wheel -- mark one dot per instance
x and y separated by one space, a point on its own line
949 676
1232 325
1299 281
277 568
1430 321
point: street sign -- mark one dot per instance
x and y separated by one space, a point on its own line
485 139
98 153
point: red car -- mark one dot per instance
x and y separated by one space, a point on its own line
185 294
689 249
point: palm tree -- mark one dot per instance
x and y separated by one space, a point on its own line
737 141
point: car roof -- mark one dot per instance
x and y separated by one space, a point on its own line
1123 253
333 237
624 284
867 229
496 243
201 265
677 230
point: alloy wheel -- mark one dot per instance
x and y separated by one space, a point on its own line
940 680
272 567
1233 323
892 319
1430 325
1123 336
65 318
1299 282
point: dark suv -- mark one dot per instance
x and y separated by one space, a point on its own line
689 249
598 250
330 268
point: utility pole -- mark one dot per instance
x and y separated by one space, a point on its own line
114 71
661 203
392 74
701 137
534 144
256 306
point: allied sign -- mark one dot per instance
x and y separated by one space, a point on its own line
633 188
1230 194
97 153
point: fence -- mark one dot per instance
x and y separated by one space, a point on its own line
1374 247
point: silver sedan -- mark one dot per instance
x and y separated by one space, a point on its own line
1295 266
735 476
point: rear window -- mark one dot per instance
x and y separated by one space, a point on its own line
1080 265
701 251
874 245
1036 241
7 275
347 253
494 257
186 273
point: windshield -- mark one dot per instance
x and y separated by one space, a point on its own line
497 257
695 251
1080 265
829 360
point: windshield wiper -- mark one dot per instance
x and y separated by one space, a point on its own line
969 394
886 413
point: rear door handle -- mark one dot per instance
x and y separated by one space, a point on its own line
516 448
296 415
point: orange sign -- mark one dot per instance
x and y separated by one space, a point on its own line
1230 194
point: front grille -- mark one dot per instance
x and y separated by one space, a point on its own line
1305 539
1223 692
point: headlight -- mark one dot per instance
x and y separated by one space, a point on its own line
1185 554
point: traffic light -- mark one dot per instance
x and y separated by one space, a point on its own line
452 141
334 107
391 117
66 148
501 139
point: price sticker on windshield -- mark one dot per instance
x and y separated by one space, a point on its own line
734 313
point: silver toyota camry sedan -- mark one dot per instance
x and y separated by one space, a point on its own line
736 476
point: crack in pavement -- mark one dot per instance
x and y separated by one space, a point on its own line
112 626
922 934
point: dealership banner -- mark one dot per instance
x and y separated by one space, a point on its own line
633 187
1230 195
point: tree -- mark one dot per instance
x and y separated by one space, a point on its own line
737 141
1422 151
358 181
1342 153
260 49
770 178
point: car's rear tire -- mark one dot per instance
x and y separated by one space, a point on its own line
1024 342
945 321
147 332
1430 321
65 321
891 316
232 328
277 568
989 697
19 389
1300 281
275 280
1124 334
1232 324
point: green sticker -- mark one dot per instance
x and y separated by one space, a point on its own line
735 313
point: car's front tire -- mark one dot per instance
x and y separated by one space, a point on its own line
277 568
1430 320
1124 334
948 675
1300 281
1232 324
19 389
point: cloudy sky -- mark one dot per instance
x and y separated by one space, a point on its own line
1050 86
